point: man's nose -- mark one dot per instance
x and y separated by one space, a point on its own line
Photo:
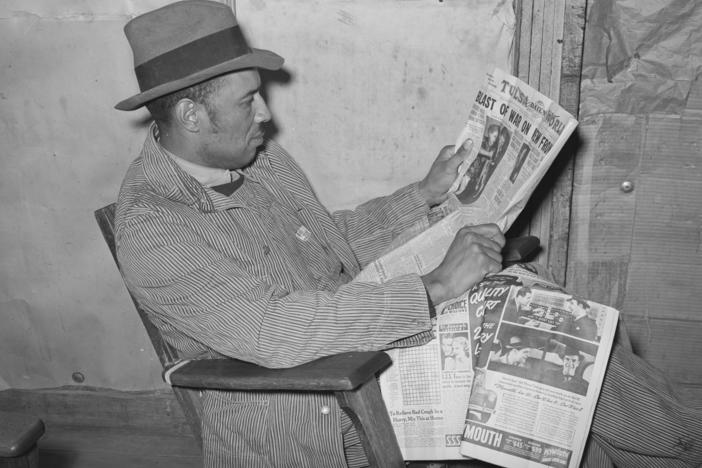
263 114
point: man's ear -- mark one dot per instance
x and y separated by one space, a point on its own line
187 115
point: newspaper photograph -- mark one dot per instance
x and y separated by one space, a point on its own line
516 133
537 381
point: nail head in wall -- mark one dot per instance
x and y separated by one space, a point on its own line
627 186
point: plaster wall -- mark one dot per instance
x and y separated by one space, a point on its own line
371 90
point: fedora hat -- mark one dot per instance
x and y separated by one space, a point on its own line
185 43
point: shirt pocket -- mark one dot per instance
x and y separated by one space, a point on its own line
235 425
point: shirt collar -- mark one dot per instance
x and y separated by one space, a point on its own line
206 176
168 179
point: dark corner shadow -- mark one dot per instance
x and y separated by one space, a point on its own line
271 78
140 122
561 171
57 457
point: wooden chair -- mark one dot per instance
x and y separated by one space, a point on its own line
19 434
350 376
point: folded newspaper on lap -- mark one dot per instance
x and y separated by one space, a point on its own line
539 358
514 370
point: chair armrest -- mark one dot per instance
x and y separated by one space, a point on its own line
340 372
18 434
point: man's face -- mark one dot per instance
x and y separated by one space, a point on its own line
523 300
447 346
232 134
570 363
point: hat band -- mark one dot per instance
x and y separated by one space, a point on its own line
191 58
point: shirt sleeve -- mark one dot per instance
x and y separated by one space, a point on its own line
372 226
215 299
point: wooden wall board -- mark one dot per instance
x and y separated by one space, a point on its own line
600 236
668 221
672 147
89 427
666 239
549 32
640 251
665 291
91 407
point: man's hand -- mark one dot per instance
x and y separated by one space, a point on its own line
443 172
473 254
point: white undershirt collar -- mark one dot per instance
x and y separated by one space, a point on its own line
206 176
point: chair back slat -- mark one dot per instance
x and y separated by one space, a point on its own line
189 400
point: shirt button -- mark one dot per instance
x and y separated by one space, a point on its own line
303 234
325 409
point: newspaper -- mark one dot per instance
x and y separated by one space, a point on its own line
540 358
449 398
516 133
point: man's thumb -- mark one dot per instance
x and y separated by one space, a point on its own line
461 154
465 148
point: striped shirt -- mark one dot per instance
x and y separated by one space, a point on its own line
264 276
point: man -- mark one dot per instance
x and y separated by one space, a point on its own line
567 377
514 358
519 162
515 354
578 323
220 237
523 299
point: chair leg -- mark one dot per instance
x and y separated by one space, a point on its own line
366 408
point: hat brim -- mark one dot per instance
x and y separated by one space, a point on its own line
258 58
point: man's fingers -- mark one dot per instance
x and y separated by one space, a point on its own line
465 148
445 154
491 231
489 245
453 163
495 255
479 243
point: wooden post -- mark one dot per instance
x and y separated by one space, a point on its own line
366 408
548 56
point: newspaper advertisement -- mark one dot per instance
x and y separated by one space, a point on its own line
514 134
539 371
